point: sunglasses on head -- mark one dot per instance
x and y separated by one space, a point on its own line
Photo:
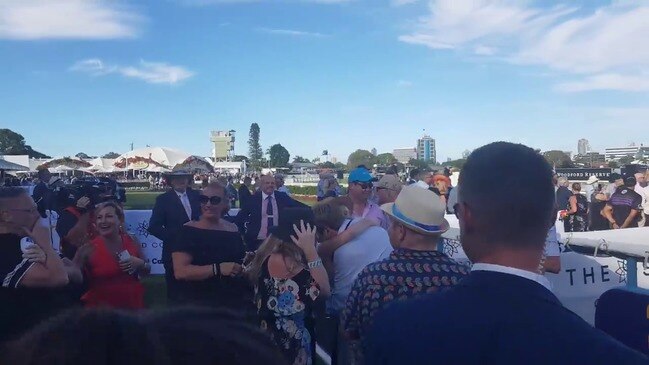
214 200
364 185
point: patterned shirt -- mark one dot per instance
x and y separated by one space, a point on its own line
405 274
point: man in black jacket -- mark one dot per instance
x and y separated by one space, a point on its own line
261 212
244 192
171 211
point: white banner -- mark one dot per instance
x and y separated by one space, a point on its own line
137 225
582 279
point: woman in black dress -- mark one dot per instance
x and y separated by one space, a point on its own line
577 210
208 256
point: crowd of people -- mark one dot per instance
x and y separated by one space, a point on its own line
623 203
362 273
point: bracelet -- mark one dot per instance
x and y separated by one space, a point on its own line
216 270
314 264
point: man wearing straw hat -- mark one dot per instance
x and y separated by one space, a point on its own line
171 211
415 267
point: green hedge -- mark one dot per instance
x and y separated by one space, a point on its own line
135 184
307 190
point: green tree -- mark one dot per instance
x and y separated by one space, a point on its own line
111 155
82 155
385 159
278 155
12 143
300 159
327 165
418 164
340 166
239 158
255 153
626 160
613 164
558 158
361 157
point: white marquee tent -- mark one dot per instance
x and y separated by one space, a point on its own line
151 159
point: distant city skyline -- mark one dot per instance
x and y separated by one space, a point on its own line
323 75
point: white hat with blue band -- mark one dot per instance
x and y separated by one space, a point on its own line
418 209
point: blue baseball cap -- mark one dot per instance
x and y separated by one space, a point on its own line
360 175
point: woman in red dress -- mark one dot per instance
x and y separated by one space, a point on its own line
112 263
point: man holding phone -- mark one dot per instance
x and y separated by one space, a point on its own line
28 263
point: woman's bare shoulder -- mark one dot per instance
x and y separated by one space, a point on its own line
229 226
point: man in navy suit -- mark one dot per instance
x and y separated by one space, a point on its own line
171 211
504 311
261 211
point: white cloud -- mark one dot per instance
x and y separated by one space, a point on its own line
608 81
606 49
66 19
484 50
150 72
291 32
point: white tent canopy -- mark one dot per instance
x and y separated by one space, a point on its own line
139 159
22 160
102 165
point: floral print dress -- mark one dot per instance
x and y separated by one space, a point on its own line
285 308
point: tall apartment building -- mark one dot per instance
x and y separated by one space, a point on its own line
426 149
583 147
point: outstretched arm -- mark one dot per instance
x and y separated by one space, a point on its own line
327 248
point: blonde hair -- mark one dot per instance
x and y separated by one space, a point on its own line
330 213
118 210
274 245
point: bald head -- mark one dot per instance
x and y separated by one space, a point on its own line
17 208
267 184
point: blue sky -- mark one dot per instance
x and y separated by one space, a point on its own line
94 76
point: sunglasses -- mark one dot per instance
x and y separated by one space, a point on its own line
214 200
364 185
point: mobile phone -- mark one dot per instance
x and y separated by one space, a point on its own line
123 256
25 243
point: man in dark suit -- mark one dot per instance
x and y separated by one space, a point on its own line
244 191
171 211
42 194
261 212
504 311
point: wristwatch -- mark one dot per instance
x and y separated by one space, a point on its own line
314 264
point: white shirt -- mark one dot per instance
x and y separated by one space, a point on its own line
513 271
421 184
552 243
644 193
184 199
351 258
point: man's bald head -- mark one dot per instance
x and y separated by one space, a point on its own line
267 184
